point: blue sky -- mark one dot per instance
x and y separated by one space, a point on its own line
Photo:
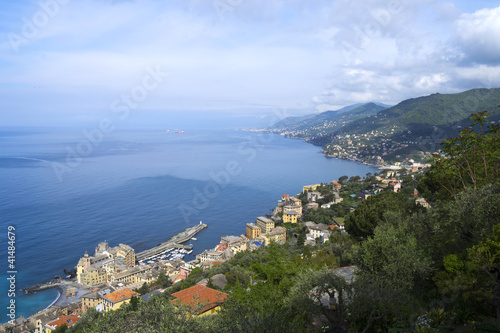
71 62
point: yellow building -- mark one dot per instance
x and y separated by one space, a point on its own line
293 208
92 276
93 271
277 235
310 188
253 231
114 300
130 275
290 217
265 224
294 201
125 255
90 300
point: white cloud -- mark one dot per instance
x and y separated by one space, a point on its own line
479 35
256 54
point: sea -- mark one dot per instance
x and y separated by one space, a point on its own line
62 191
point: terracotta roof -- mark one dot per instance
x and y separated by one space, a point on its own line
199 294
337 184
179 278
120 295
68 320
284 195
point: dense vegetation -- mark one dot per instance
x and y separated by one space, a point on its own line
412 129
421 270
427 112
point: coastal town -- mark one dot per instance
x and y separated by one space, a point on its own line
112 276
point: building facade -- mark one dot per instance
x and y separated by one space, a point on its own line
253 231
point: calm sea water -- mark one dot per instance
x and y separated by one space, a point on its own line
64 194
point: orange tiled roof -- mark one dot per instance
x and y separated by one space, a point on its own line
197 294
120 295
392 184
337 184
284 195
179 278
68 320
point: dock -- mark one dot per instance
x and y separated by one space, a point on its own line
174 242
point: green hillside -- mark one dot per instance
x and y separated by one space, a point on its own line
428 111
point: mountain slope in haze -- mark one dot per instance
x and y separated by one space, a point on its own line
308 120
293 121
412 129
327 122
428 111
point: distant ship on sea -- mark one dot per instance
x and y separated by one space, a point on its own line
177 132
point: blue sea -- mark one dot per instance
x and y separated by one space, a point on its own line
66 190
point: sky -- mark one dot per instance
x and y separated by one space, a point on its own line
151 62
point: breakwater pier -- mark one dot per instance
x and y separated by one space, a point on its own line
173 242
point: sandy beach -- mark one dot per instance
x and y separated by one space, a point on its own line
61 287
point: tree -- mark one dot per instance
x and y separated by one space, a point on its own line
343 179
461 223
476 277
471 159
144 289
164 280
301 239
393 255
362 222
61 329
390 263
311 286
134 303
342 246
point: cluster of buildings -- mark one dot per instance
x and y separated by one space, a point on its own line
260 233
107 265
111 273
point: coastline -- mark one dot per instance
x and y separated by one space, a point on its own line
62 300
59 291
325 154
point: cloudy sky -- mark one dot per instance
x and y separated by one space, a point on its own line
76 61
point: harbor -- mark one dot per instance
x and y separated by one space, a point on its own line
171 245
172 249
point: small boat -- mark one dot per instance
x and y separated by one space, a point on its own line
194 238
179 132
